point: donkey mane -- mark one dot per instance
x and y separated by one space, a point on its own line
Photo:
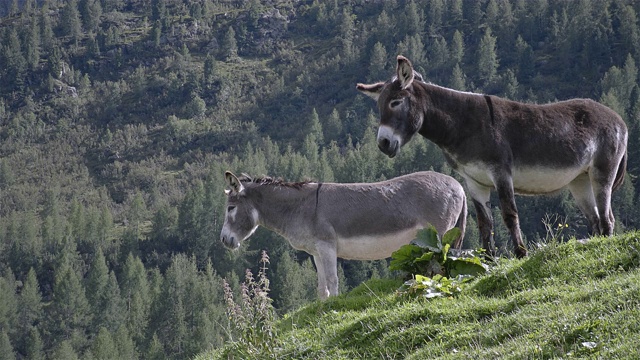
268 180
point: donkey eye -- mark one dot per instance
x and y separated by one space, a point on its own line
395 103
231 208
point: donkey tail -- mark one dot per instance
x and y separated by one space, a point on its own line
461 223
621 171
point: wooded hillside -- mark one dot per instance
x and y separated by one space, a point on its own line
118 119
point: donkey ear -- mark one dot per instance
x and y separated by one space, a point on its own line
373 90
233 182
405 72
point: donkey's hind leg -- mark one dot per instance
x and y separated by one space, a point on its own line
582 191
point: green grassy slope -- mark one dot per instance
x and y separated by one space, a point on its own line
570 300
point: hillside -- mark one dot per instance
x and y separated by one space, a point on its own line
568 300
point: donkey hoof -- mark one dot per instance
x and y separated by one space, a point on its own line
521 253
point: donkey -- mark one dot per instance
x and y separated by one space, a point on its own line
513 147
349 221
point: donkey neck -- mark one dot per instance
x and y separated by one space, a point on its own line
280 206
449 115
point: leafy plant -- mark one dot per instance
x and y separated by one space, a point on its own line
437 268
430 255
437 286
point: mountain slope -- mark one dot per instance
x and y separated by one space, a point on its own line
566 300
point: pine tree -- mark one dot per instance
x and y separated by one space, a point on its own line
14 60
511 86
8 303
124 344
346 31
103 347
414 19
34 347
70 20
64 351
378 63
137 296
435 16
91 11
487 58
209 72
29 314
6 349
32 46
69 313
315 127
458 79
333 127
229 45
47 38
293 285
439 54
525 59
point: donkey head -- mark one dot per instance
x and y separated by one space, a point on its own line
241 217
400 117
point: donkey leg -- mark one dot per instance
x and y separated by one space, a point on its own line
481 195
510 214
328 259
582 192
602 184
323 292
603 199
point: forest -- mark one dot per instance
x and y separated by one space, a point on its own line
118 119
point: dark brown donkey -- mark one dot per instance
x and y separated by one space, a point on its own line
510 146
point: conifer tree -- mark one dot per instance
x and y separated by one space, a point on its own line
29 314
69 314
34 347
13 59
124 344
8 303
414 19
487 58
229 45
333 128
6 349
378 63
64 351
293 285
32 46
457 80
137 297
70 20
103 347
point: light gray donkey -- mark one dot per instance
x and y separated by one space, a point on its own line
348 221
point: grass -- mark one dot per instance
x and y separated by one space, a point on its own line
568 300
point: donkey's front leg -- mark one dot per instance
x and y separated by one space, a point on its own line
510 214
327 267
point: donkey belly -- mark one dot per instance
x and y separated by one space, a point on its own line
527 180
540 180
374 247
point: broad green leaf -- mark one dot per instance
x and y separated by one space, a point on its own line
425 258
402 259
462 266
451 236
428 239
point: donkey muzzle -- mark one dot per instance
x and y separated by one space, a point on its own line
388 147
388 141
229 241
